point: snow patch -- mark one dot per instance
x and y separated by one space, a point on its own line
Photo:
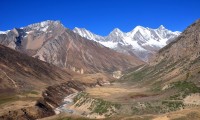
109 44
4 32
141 41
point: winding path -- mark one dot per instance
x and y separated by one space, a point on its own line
13 82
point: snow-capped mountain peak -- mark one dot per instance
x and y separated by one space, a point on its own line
45 23
4 32
137 29
87 34
161 27
116 31
43 26
141 41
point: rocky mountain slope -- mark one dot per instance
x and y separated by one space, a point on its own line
186 46
51 42
22 80
179 60
32 89
20 72
172 76
141 41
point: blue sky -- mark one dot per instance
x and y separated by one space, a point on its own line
101 16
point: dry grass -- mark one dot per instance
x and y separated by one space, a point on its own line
92 78
116 92
15 105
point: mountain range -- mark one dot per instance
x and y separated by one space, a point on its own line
141 42
51 42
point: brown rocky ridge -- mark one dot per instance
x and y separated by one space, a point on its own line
51 42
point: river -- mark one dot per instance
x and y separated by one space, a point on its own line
67 102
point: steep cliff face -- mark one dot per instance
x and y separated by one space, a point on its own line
51 42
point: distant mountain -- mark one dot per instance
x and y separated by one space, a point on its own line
51 42
141 41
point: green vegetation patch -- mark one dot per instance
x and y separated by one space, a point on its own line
81 99
173 105
153 107
176 97
185 88
79 96
34 92
137 75
6 99
101 106
30 92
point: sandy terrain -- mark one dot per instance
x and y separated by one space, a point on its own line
193 99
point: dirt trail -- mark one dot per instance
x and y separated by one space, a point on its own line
14 83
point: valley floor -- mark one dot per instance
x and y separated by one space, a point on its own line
117 92
128 96
117 100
